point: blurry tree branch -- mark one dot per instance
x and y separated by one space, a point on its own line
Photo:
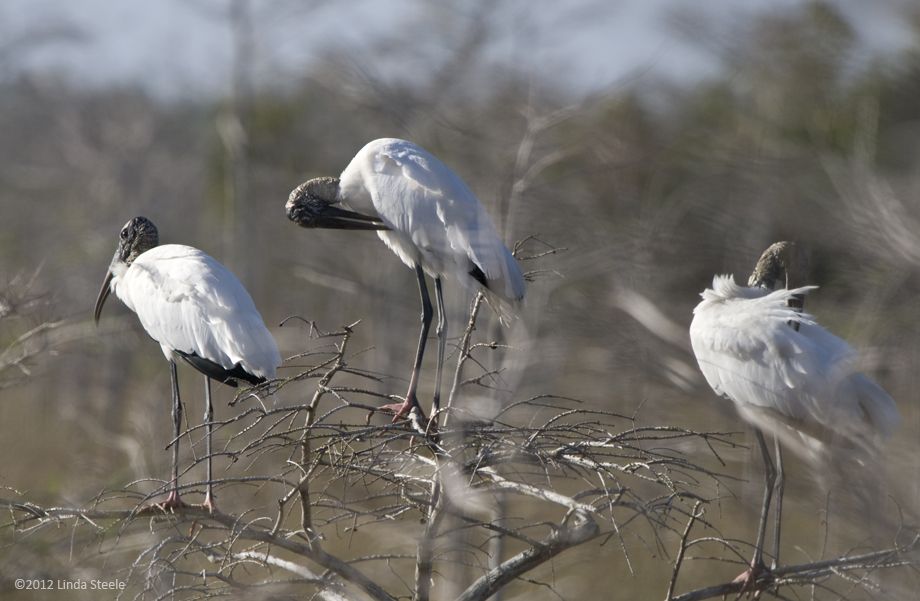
26 334
880 222
854 569
526 169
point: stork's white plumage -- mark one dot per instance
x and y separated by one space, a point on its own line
433 218
429 217
198 312
796 383
785 374
193 306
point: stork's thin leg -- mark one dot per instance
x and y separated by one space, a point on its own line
403 409
749 576
779 486
442 342
209 421
769 479
173 500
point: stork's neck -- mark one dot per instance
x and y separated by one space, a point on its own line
118 269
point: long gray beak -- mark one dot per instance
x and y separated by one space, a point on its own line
103 294
316 213
341 219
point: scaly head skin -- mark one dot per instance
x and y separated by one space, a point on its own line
137 237
307 203
311 205
781 259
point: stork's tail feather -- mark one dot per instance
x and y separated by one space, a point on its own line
505 310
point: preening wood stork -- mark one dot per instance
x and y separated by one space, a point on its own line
198 312
785 374
430 218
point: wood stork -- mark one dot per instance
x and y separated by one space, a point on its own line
785 374
430 218
198 312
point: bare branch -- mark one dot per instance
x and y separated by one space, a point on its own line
561 539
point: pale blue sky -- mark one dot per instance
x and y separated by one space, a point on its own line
184 46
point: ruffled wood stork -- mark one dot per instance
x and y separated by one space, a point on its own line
785 374
198 312
430 218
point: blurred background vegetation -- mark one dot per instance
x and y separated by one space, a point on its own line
651 185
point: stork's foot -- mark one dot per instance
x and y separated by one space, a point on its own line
209 504
404 411
172 503
749 578
400 410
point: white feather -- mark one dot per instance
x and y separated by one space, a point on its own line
189 302
435 220
785 380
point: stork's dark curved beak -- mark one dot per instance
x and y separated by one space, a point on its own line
103 294
341 219
318 213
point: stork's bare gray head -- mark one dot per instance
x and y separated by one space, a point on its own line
311 203
783 259
137 237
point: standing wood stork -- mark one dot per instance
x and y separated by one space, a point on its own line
198 312
785 374
430 218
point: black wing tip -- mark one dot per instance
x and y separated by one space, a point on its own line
480 276
215 371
